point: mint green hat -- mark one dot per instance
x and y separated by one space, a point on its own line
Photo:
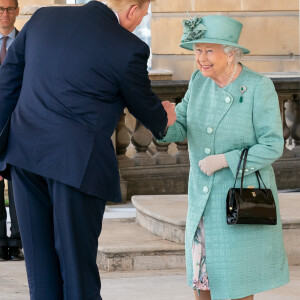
215 29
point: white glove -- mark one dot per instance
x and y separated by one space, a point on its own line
210 164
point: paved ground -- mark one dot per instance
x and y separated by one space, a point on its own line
150 285
154 285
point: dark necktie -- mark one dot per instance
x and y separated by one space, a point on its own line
3 49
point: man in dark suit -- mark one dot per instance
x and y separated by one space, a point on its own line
10 247
64 83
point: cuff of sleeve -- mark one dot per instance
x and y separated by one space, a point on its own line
232 159
161 133
166 131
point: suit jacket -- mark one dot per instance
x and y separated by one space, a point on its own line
4 133
17 31
65 82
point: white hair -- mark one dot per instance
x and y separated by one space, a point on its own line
237 52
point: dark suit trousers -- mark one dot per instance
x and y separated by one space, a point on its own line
60 227
15 239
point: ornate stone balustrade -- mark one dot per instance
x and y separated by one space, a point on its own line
148 167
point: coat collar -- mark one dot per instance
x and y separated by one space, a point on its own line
99 5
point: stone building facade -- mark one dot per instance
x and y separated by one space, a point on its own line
271 31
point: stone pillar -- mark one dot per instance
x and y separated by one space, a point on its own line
295 130
286 130
142 139
182 155
122 142
162 156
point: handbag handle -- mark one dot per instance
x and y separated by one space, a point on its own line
243 156
258 176
239 165
244 151
243 170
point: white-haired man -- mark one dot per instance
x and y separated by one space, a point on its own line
64 84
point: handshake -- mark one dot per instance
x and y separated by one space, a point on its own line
170 110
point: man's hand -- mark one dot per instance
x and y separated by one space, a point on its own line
170 109
1 178
213 163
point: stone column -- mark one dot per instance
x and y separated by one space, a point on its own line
162 156
122 142
142 139
286 130
295 130
182 155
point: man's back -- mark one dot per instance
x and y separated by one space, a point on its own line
63 86
81 69
76 53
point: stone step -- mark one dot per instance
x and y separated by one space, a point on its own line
164 216
126 246
290 217
160 75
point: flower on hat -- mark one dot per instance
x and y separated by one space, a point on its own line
192 29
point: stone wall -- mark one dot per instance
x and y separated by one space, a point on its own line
28 7
271 32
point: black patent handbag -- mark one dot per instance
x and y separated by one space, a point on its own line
250 205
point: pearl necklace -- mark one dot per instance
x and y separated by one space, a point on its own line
232 75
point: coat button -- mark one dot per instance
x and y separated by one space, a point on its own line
227 100
209 130
207 151
205 189
252 168
246 170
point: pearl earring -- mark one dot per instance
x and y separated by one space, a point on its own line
228 63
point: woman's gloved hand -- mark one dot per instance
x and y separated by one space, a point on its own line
210 164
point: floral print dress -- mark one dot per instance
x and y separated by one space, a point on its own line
200 278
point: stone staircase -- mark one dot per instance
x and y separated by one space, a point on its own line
154 240
162 215
125 246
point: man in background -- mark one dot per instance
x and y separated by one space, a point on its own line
10 247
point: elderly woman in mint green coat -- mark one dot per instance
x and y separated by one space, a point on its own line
227 108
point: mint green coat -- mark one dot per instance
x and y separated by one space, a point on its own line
241 259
